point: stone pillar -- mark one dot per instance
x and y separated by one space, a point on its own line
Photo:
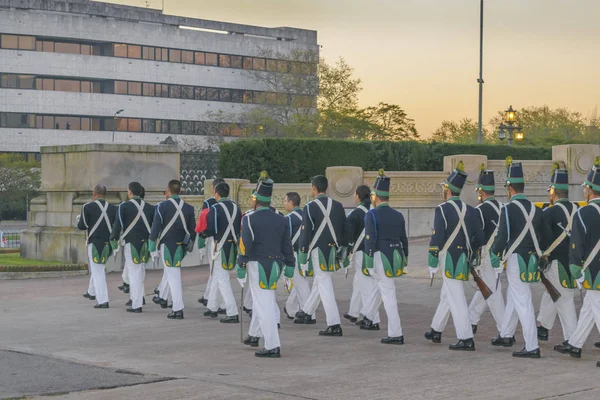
472 164
343 182
69 174
578 159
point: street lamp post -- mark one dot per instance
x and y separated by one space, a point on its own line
509 125
480 80
115 122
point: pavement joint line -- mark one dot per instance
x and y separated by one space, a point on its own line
251 388
568 393
158 380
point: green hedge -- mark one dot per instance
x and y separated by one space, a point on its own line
296 160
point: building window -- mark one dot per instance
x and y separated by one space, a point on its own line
158 54
174 127
224 60
148 89
120 87
174 55
282 66
86 87
26 43
134 88
164 90
199 58
224 95
69 48
48 84
119 50
134 51
64 85
272 65
175 91
134 125
48 122
9 81
271 98
187 127
212 94
48 47
10 42
187 57
187 92
248 96
260 98
211 59
236 61
148 53
165 54
259 64
236 96
149 125
120 124
86 50
85 124
200 93
247 62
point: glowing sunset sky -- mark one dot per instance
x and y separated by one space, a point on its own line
423 54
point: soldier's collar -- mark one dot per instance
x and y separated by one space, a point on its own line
321 195
596 200
100 199
136 198
562 201
518 196
174 196
262 208
454 198
223 199
363 204
489 199
383 205
297 209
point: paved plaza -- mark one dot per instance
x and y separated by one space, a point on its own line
54 342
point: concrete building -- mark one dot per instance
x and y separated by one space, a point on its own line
68 66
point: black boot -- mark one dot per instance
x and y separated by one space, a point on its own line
393 340
542 333
202 301
156 291
92 297
161 302
234 319
247 310
563 348
129 303
527 354
126 290
134 310
474 328
87 295
122 287
434 336
350 317
221 311
598 364
264 353
575 352
368 325
504 342
303 318
175 314
597 344
359 322
464 345
286 313
212 314
251 341
103 305
333 330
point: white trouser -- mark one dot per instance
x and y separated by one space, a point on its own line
452 301
91 290
264 320
299 293
221 285
137 274
385 291
208 246
173 275
248 300
564 307
164 292
363 287
519 302
125 274
98 278
322 290
495 301
588 316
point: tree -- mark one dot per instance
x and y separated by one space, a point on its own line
391 123
465 131
19 180
338 89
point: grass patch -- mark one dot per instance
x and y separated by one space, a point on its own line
15 259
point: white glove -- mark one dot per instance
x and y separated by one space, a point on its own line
154 255
580 281
432 271
77 218
242 281
202 253
498 271
304 268
406 270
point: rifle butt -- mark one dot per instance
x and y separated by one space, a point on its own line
554 294
485 290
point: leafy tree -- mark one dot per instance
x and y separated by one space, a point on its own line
338 89
464 131
19 180
391 123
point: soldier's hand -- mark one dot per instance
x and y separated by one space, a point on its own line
432 271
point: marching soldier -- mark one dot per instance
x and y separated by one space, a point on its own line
457 236
224 222
489 211
585 263
265 250
322 240
520 237
559 217
134 218
363 285
206 245
386 256
172 236
300 289
97 218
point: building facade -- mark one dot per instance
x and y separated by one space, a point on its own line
68 67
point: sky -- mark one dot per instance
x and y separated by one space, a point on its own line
424 54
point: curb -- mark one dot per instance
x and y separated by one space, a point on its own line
43 268
40 274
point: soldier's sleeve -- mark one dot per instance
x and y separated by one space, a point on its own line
341 234
305 235
501 239
191 223
547 233
245 243
81 224
211 223
577 251
116 230
237 224
437 237
288 251
370 239
155 230
350 229
477 233
403 236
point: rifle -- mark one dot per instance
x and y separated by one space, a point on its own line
554 294
485 290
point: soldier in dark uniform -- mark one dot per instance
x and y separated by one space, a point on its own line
265 251
559 217
206 245
489 211
97 218
322 240
133 220
363 285
386 256
585 263
173 232
521 235
223 224
457 237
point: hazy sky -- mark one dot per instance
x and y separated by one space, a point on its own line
424 54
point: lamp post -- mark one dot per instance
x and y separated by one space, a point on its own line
510 118
115 122
480 79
